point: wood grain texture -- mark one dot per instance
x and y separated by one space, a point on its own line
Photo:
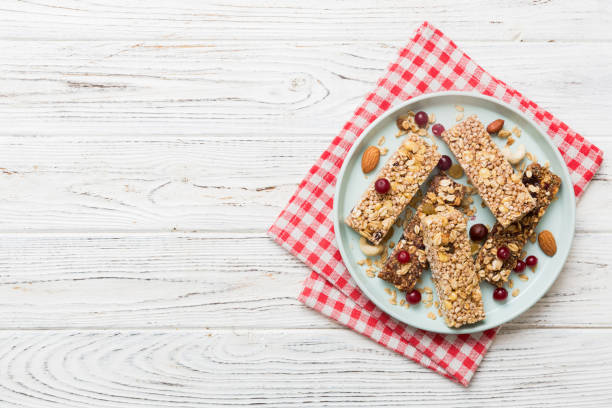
116 88
162 184
281 368
220 280
145 149
363 20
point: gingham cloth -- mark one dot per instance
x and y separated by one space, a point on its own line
430 62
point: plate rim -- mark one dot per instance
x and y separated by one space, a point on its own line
566 178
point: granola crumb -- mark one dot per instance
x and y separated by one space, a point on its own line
431 117
402 302
515 292
381 141
383 151
368 262
393 299
459 117
431 315
361 262
459 108
523 277
388 291
510 283
391 245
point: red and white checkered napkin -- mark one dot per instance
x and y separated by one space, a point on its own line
430 62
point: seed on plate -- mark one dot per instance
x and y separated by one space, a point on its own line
459 117
455 171
515 292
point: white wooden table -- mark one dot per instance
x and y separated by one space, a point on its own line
146 148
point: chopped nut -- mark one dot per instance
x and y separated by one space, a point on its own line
455 171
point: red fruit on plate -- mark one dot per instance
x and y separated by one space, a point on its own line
413 297
531 260
500 294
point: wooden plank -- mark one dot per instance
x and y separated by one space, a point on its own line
360 20
136 183
220 280
282 368
98 88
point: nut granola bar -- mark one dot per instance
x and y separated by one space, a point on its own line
452 268
500 188
442 190
543 185
406 170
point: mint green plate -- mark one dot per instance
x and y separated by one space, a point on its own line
559 219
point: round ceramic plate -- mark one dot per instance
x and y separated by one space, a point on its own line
559 219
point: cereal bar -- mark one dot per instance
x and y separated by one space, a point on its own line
500 188
452 268
406 170
543 185
442 190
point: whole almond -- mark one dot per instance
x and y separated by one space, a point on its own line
370 158
495 126
547 242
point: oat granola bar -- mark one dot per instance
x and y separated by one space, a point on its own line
452 268
406 170
500 188
543 185
442 190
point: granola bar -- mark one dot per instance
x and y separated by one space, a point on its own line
442 190
543 185
452 268
407 168
500 188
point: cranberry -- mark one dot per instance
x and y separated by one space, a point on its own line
503 253
437 129
413 297
531 260
500 294
478 232
520 266
421 118
403 256
445 162
382 185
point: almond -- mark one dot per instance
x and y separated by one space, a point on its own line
370 158
495 126
547 242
